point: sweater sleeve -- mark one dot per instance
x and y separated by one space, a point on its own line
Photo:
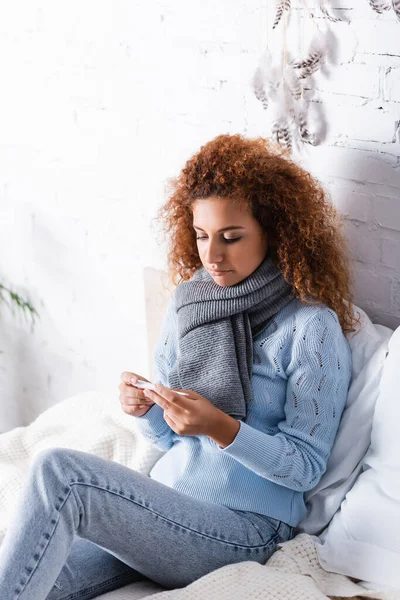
152 425
318 378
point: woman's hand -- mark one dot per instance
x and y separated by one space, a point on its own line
133 401
194 415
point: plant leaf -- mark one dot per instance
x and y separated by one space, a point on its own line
16 300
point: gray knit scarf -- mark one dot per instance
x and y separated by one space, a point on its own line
216 325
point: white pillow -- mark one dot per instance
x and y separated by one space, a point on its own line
368 347
363 539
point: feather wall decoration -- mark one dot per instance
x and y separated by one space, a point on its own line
327 13
314 59
396 7
283 117
281 6
266 79
293 82
281 83
301 116
314 62
379 6
259 89
282 134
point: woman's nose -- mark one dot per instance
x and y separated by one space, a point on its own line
214 253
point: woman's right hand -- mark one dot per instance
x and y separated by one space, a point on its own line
133 401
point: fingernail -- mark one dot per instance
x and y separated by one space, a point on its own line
133 379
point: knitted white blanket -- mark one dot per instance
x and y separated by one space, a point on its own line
96 424
89 422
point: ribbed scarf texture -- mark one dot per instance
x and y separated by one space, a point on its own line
216 325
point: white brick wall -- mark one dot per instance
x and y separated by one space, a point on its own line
101 102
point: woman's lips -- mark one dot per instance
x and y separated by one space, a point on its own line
218 273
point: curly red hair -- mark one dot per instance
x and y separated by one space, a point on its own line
302 224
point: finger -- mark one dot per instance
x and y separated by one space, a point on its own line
156 398
172 397
127 406
135 401
132 410
165 403
131 378
126 388
127 376
135 406
190 393
132 397
170 421
128 391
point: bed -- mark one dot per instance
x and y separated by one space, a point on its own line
295 570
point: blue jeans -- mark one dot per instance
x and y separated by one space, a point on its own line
85 525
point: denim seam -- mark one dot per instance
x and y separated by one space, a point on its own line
78 502
44 548
69 493
205 535
258 529
99 586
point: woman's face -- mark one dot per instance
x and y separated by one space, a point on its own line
230 242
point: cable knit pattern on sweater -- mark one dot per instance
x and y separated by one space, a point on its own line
301 374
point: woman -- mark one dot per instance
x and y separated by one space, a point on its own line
254 335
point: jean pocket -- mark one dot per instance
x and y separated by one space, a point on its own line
286 532
267 528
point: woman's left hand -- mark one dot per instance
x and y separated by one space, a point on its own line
193 415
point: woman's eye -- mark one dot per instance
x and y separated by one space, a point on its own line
227 240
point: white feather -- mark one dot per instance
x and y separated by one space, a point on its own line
282 109
301 118
379 6
315 57
293 82
267 79
259 87
281 6
282 134
327 13
283 105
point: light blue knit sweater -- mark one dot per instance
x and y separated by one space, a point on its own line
301 374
